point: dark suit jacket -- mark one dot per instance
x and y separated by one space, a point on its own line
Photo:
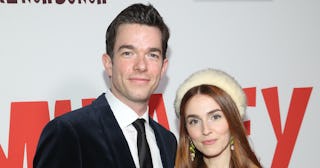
90 137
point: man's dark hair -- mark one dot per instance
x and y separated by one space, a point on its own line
139 14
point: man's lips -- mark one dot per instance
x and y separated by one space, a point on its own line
139 79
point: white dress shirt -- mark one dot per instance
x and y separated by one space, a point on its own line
125 116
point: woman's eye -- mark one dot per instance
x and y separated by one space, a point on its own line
215 116
193 121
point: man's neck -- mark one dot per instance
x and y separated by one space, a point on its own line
139 107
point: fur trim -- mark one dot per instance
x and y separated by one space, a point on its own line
217 78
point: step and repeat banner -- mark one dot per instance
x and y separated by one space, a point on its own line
50 63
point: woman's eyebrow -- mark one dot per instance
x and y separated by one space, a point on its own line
192 116
214 111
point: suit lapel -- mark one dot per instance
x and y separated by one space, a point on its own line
160 142
116 141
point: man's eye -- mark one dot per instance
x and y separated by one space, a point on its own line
126 53
153 55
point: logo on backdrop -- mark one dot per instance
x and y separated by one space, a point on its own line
27 120
60 2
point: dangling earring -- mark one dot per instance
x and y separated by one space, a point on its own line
231 143
192 150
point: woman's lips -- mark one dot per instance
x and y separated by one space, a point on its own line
209 142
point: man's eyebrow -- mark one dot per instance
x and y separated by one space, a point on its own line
155 50
125 47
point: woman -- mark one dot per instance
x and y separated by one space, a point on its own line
211 105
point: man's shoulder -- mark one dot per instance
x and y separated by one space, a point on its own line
84 113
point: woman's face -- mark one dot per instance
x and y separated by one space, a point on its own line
207 125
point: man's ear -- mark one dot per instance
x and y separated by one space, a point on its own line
107 63
164 67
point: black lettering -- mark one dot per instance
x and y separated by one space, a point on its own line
11 1
60 1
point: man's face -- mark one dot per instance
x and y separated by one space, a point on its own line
137 65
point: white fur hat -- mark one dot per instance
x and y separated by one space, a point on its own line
217 78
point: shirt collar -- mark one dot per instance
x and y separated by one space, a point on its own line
123 113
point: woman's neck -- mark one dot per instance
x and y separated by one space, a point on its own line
220 161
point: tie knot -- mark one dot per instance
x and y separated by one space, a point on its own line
139 125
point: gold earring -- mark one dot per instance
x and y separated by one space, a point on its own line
192 150
232 143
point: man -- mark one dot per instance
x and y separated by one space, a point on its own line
103 134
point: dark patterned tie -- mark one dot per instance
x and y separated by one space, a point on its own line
145 159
